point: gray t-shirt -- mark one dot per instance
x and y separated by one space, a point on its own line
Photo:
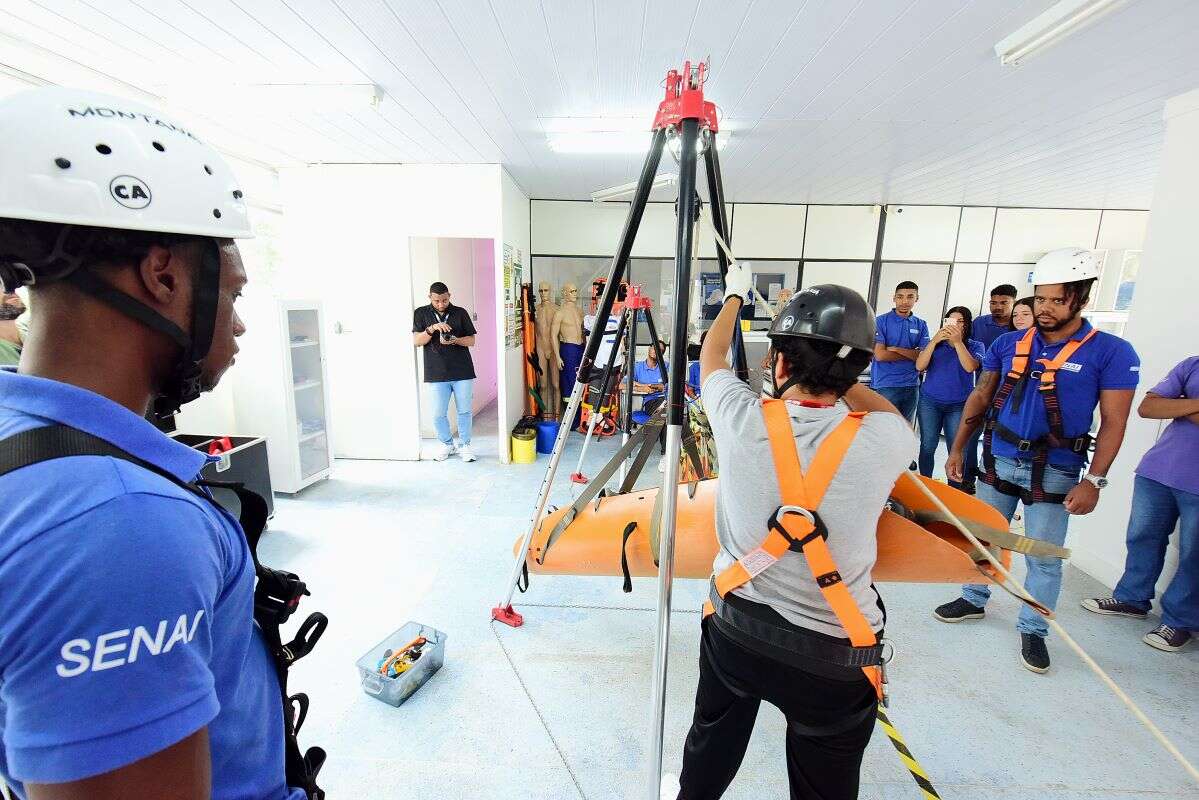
749 494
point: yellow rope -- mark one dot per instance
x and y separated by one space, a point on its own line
1165 742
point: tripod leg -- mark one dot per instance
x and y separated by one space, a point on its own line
630 360
720 222
503 612
675 413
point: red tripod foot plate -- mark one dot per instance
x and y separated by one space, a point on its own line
508 616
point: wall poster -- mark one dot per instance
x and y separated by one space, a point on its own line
513 311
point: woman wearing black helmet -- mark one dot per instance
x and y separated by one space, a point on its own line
793 618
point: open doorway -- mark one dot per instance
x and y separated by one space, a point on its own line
467 268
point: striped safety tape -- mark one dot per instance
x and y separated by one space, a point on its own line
909 760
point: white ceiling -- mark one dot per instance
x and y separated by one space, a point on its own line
828 101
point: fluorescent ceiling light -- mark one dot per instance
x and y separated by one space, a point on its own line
627 189
609 142
1050 27
272 98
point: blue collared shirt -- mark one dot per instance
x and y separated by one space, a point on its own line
945 381
126 616
987 330
644 373
1105 362
892 330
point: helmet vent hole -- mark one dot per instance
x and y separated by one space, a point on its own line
216 212
62 163
237 195
158 146
208 169
103 149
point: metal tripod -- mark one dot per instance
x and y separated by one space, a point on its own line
684 115
625 342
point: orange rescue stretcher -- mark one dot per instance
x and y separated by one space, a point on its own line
614 535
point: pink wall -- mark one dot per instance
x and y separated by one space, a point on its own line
487 349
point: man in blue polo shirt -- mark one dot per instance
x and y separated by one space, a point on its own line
1031 461
990 327
898 339
130 662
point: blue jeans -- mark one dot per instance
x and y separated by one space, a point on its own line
1156 509
463 392
936 416
902 397
970 464
1044 521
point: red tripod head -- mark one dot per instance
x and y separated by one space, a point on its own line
636 299
685 99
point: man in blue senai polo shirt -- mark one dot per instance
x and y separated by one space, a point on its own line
990 327
1102 373
130 663
898 338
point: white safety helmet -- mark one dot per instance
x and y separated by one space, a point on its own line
1066 265
85 161
85 158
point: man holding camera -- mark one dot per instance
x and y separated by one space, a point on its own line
445 333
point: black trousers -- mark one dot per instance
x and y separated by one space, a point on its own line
829 722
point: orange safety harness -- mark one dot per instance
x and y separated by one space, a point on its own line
797 527
1040 447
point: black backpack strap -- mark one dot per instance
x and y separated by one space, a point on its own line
277 593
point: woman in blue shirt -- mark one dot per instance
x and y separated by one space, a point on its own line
948 364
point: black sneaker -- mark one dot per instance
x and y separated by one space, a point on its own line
958 610
1163 637
1033 652
1113 607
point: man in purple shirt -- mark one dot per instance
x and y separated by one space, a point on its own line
1166 493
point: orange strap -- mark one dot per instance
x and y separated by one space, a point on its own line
1023 348
1049 373
805 491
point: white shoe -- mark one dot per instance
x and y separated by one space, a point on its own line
465 453
443 452
670 787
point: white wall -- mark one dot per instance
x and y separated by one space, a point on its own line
346 240
514 231
1163 327
987 246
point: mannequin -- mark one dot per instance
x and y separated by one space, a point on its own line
568 333
547 357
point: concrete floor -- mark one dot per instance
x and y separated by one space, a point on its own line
560 707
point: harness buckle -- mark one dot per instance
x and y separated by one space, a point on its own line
818 527
1024 445
278 595
885 657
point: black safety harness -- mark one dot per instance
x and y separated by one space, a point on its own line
1013 388
276 596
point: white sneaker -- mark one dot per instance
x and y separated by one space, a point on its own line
443 452
465 453
670 787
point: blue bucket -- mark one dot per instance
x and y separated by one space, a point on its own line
547 433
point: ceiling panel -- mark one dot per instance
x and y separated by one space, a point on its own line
828 101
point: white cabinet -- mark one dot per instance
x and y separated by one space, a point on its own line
282 392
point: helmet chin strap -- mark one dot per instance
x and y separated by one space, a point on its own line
185 383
